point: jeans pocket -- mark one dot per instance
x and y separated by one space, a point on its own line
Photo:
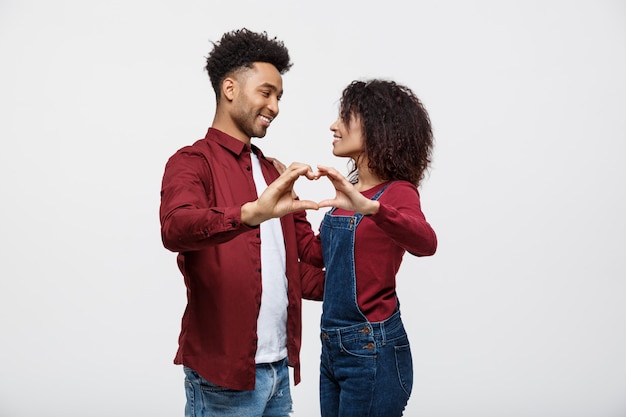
404 366
194 379
360 347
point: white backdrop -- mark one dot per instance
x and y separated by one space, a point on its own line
521 312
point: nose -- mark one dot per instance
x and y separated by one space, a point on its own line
272 106
335 126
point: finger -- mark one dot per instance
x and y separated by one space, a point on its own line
336 182
292 173
331 173
334 174
326 168
311 175
305 205
303 170
326 203
322 170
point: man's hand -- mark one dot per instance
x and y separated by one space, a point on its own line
279 198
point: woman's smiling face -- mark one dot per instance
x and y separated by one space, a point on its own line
348 138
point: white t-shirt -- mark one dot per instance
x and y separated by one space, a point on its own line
272 321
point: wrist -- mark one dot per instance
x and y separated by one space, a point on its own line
372 208
249 214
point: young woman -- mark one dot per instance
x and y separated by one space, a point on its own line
366 366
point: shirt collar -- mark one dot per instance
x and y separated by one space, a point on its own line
232 144
225 140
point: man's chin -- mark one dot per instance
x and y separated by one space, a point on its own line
259 134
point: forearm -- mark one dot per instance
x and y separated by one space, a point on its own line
312 280
186 229
309 245
409 230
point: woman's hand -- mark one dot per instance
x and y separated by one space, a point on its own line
280 167
347 196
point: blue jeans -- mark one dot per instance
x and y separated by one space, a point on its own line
271 396
366 370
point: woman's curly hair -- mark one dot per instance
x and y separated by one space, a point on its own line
241 48
397 129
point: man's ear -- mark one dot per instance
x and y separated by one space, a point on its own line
228 88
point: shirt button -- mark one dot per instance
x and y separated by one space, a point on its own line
247 168
233 224
369 346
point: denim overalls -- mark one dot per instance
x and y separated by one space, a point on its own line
366 368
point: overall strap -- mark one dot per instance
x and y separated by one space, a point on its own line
375 198
359 216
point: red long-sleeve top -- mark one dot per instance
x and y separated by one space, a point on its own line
381 240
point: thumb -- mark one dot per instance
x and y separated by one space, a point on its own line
305 205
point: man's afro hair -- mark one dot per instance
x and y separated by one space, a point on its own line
241 48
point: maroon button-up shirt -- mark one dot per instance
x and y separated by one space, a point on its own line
204 187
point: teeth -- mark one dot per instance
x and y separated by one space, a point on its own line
267 119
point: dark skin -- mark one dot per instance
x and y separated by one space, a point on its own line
279 197
247 106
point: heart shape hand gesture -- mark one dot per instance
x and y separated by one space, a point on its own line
279 198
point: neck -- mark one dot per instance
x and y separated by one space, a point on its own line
367 179
226 125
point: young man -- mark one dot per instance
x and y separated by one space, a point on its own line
239 242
